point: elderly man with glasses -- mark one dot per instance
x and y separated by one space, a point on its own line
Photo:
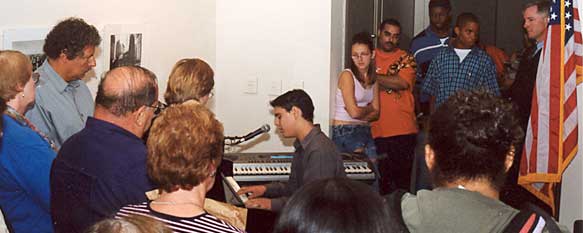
103 167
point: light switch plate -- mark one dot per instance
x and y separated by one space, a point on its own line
274 87
297 84
250 86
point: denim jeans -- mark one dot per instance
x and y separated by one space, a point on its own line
351 138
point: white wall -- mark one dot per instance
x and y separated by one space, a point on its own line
279 44
286 42
174 30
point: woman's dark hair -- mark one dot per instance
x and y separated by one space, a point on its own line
365 39
334 205
471 135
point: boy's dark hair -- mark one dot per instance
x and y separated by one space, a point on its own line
440 3
335 205
471 135
70 37
296 98
466 17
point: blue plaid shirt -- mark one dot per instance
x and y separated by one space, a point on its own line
446 75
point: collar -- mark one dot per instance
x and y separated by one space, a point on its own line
304 143
539 46
472 50
101 125
54 79
380 53
433 34
10 111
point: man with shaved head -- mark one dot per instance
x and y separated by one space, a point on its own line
103 167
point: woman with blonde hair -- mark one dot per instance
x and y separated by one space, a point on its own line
190 79
25 153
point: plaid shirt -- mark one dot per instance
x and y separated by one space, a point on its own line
446 75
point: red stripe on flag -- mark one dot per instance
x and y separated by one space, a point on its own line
531 167
570 106
554 101
570 144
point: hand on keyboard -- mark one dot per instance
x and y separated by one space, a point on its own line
259 203
252 191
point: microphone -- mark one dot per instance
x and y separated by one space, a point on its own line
236 140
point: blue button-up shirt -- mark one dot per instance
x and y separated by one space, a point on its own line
60 108
447 75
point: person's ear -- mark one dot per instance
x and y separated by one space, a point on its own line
456 29
19 88
63 54
141 116
509 159
429 157
296 112
373 54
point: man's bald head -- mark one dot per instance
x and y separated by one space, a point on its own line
125 89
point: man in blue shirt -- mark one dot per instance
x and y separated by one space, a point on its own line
462 66
63 101
103 167
428 43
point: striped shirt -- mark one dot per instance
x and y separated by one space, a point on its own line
447 75
201 223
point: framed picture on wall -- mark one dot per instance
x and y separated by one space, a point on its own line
27 41
124 43
125 50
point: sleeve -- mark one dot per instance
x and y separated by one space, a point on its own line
279 194
278 203
408 74
32 169
275 189
489 79
430 81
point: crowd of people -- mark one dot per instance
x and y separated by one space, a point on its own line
128 162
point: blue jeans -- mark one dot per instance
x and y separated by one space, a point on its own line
351 138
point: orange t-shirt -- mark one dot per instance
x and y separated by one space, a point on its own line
397 110
498 57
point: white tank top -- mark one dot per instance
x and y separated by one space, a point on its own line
363 97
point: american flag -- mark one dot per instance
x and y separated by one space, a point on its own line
551 137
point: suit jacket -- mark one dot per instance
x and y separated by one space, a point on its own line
520 93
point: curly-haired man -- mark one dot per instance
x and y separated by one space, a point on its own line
63 101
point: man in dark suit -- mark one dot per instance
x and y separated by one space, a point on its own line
536 19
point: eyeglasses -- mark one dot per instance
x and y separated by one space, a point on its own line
362 55
158 108
35 78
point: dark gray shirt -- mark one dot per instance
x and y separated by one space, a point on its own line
316 157
60 108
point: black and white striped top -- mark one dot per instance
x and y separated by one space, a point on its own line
201 223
